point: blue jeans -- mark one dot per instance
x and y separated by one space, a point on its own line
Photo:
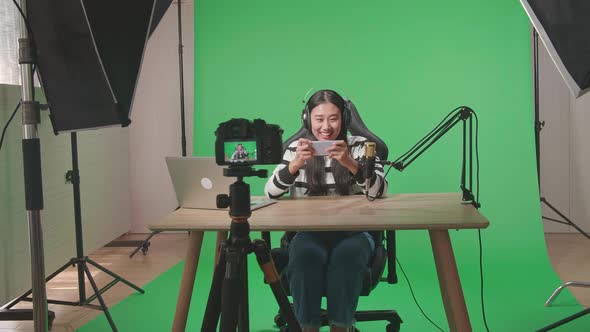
330 262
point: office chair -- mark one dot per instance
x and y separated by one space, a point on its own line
384 243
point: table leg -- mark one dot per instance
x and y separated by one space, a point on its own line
221 236
450 284
188 281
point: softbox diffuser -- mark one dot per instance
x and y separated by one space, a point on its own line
159 11
89 56
564 28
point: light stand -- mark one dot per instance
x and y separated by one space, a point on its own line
33 182
462 114
144 245
538 127
181 79
228 296
81 261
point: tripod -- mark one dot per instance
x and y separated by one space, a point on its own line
538 127
81 261
228 295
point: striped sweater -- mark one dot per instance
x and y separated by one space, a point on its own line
281 181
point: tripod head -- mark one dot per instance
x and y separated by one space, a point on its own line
238 199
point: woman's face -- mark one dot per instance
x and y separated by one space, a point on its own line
326 121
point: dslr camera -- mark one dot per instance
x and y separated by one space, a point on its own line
244 142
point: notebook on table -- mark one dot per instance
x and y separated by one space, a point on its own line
198 180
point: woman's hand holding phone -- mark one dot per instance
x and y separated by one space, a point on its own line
303 152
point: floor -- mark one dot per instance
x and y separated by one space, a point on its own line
568 253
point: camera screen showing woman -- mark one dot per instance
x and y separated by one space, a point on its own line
240 153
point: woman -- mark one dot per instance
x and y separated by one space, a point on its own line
334 262
239 153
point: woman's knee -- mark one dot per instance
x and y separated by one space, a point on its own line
305 251
351 253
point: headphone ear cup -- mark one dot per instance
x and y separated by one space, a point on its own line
305 121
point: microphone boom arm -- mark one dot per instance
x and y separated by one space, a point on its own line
462 114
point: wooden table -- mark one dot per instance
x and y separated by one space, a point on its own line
436 213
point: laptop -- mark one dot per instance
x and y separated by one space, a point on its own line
198 180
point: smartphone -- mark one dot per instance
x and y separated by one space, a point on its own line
319 147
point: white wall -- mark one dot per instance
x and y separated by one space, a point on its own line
565 160
580 162
105 199
155 131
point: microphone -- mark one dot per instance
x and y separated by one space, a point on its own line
370 153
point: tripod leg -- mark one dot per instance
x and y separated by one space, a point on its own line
98 266
27 293
569 222
103 305
221 237
144 244
244 319
213 309
565 320
231 292
271 276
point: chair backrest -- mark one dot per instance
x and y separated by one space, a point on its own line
357 128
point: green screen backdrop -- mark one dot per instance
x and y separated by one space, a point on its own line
405 65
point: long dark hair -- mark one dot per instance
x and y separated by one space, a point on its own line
315 168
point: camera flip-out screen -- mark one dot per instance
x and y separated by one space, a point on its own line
242 151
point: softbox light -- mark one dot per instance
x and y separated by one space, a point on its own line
89 56
564 28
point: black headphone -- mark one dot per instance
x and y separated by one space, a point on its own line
306 116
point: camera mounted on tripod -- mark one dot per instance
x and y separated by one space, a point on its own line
240 144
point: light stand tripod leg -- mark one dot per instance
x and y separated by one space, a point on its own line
569 222
104 307
565 320
24 296
144 245
114 275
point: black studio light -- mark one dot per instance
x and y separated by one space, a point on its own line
564 28
88 55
